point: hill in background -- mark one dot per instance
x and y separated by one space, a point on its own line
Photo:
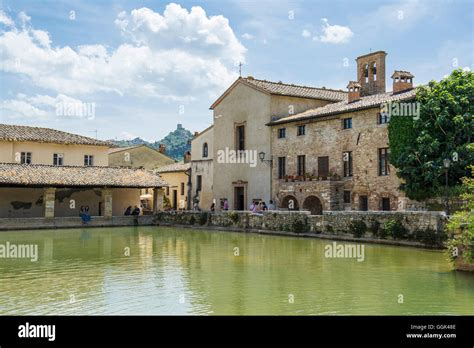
176 142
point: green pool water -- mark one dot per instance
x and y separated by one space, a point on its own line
159 270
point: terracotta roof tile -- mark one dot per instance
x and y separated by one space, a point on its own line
174 167
279 88
345 107
47 175
46 135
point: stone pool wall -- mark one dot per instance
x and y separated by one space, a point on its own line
9 224
423 227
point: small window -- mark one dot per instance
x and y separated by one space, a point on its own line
88 160
374 71
347 161
281 167
301 165
167 191
25 158
366 73
281 133
198 183
383 118
58 159
240 138
205 150
182 189
347 197
301 130
385 203
347 123
383 161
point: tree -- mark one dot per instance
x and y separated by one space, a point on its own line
443 129
461 224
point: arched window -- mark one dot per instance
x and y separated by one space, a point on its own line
205 150
374 71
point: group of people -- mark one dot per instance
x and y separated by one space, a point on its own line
136 211
258 207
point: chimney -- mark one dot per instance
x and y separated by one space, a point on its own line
187 157
196 134
162 149
402 81
354 91
371 73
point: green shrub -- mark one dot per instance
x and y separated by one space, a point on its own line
395 228
203 218
234 217
429 237
358 228
192 220
375 228
300 225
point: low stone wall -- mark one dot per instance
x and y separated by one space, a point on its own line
8 224
422 227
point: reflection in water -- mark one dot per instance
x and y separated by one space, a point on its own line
156 270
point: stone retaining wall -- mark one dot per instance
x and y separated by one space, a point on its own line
8 224
424 227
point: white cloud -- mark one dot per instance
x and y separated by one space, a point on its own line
176 56
247 36
335 34
5 20
43 107
306 33
127 135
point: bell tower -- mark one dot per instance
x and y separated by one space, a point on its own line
371 73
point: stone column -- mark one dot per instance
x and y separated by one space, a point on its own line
107 198
158 194
48 202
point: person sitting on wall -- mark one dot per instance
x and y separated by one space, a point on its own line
226 205
136 211
213 207
85 215
271 205
128 211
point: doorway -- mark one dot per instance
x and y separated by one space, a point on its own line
175 199
239 198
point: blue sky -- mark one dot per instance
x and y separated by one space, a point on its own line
137 68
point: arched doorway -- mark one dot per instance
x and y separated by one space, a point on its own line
313 204
290 203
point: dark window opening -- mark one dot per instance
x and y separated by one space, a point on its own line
363 203
281 133
347 123
301 165
347 197
301 130
383 161
25 158
281 167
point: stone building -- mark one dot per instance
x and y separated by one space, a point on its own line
242 143
140 156
202 168
50 173
177 177
336 157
